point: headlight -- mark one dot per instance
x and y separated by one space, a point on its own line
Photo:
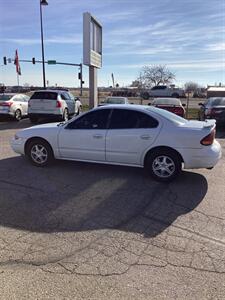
17 138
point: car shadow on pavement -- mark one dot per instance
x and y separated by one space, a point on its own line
72 196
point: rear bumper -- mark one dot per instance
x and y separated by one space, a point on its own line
7 113
38 115
206 157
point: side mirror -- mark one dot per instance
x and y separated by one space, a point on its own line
200 104
149 104
183 104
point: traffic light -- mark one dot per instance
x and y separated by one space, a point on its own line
33 60
79 75
5 60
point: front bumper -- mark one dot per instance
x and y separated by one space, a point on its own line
18 145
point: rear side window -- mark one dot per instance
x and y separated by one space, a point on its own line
44 95
127 119
65 96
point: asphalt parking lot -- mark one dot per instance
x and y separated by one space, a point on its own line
87 231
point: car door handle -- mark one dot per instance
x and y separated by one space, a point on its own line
145 137
97 136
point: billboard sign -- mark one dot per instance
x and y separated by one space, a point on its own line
92 41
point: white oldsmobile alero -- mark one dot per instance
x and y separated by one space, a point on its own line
131 135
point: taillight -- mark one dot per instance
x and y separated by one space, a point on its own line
58 104
208 140
6 104
213 112
178 111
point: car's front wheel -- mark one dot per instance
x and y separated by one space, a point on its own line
65 115
163 165
39 153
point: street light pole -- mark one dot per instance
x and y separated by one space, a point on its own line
42 2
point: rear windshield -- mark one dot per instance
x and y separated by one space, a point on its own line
5 97
168 115
166 101
44 95
115 100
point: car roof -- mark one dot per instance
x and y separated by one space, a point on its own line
128 106
50 90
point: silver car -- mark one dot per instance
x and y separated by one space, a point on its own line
52 104
14 105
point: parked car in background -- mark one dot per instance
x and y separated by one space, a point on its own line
213 108
173 105
131 135
114 100
51 104
163 91
14 105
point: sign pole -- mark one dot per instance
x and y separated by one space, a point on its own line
93 90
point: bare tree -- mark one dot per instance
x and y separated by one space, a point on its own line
156 75
191 87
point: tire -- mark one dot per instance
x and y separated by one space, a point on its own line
78 112
39 153
65 116
33 120
163 165
18 115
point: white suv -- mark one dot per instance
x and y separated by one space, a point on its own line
52 104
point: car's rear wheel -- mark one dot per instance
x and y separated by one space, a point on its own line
65 115
18 115
39 153
163 165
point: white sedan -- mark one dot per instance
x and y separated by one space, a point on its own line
131 135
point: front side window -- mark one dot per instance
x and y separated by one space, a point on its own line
128 119
92 120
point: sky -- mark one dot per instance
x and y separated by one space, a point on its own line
188 36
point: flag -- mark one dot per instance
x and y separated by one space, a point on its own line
16 62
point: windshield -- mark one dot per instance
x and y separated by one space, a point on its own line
5 97
166 101
115 100
168 115
216 101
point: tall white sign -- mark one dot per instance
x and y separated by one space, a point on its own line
92 53
92 41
